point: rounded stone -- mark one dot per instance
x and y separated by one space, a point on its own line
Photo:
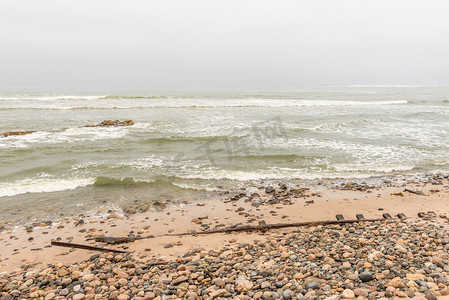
348 294
366 276
149 296
78 297
361 292
430 296
287 294
312 285
64 292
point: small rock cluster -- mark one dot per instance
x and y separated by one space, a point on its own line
273 195
135 207
109 123
376 260
356 186
434 179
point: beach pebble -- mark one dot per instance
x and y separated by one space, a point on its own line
218 293
415 276
64 292
243 285
288 294
180 280
78 297
219 282
430 296
348 294
361 292
366 276
149 296
312 285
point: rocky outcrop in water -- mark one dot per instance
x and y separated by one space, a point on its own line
105 123
109 123
10 133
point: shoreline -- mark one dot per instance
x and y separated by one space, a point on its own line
119 196
280 204
29 252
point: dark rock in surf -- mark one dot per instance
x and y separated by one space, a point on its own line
12 133
111 123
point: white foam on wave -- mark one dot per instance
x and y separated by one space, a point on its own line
205 186
70 135
334 126
42 185
347 103
389 86
379 153
280 173
50 97
371 168
201 103
145 164
367 161
95 133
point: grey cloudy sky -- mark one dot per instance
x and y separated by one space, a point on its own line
209 42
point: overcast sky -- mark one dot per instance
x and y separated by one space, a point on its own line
62 43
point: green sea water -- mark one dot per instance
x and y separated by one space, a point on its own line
196 143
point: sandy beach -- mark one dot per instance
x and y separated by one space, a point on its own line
27 253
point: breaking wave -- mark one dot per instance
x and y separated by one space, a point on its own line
198 103
42 185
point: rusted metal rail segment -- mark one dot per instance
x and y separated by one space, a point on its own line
260 227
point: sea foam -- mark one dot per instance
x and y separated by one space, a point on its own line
41 185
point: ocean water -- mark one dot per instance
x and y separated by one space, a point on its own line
192 144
